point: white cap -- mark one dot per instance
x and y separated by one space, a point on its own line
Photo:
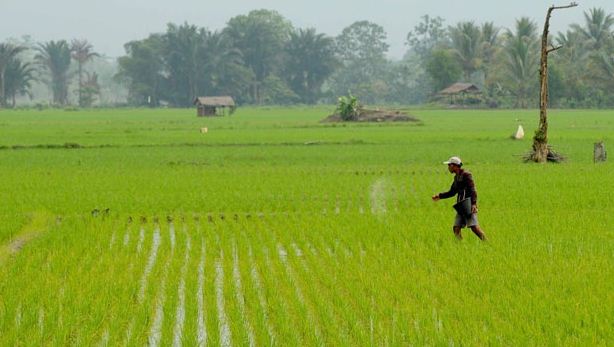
454 160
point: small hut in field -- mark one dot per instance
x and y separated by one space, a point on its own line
461 94
214 105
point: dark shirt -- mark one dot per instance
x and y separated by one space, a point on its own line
463 186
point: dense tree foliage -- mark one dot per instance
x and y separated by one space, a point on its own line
443 68
260 36
521 49
310 60
142 70
362 47
54 57
427 35
82 52
18 80
8 52
466 40
260 58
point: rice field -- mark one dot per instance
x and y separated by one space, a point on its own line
131 228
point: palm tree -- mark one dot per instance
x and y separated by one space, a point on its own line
489 47
573 47
142 70
310 61
466 42
221 60
573 61
181 53
54 57
81 52
604 69
522 51
598 29
17 80
7 53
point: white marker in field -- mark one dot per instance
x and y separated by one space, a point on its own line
519 133
204 130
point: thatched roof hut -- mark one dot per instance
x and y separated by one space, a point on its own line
461 94
460 88
214 105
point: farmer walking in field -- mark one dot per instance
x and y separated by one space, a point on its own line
466 196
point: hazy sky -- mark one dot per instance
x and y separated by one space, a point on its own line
108 24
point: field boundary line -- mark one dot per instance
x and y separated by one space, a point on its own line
37 224
77 146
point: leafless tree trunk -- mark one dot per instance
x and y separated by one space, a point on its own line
541 151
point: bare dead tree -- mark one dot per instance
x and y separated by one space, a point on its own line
542 152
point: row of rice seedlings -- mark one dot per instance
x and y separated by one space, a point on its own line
201 326
405 283
311 318
178 329
47 313
260 308
329 268
240 297
223 322
264 317
334 327
167 306
284 317
246 310
284 235
350 260
50 295
126 284
116 277
149 277
209 333
139 243
321 298
421 282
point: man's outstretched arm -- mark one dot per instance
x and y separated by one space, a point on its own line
450 193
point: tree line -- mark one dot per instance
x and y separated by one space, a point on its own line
51 64
261 58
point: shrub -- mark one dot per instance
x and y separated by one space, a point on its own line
348 107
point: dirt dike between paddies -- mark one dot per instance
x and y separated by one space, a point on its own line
375 116
37 224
